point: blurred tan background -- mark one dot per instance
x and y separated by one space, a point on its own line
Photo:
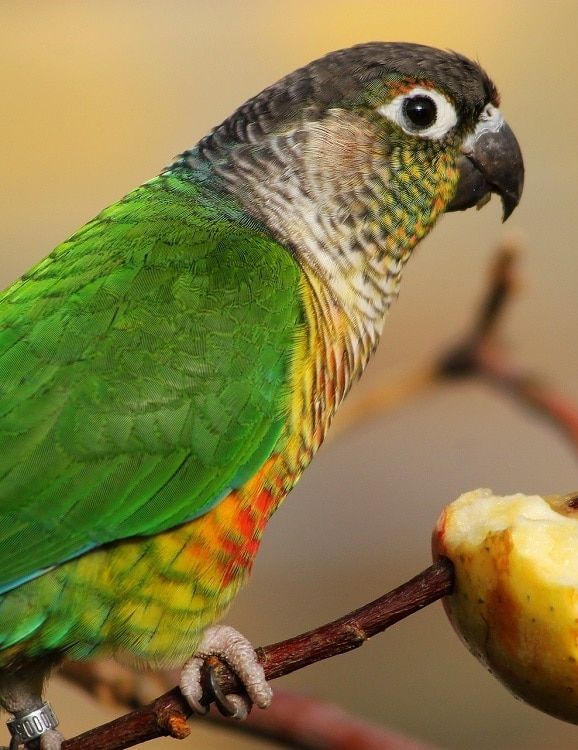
98 96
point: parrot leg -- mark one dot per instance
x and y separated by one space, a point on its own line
236 651
34 722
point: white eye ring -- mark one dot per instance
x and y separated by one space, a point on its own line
445 120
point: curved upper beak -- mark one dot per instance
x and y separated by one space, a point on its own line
491 162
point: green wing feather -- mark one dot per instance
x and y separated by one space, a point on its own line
143 370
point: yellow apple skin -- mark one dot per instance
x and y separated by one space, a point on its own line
515 601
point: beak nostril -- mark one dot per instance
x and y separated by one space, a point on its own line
490 112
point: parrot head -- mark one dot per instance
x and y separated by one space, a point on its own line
349 161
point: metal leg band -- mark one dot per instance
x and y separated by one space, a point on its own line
30 726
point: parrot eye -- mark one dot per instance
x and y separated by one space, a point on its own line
422 112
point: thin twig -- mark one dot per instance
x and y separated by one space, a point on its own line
464 359
167 715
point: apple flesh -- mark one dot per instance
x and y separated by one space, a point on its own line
515 601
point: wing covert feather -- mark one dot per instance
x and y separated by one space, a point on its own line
143 370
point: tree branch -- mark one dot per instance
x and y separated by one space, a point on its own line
167 715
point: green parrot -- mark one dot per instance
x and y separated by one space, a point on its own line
168 372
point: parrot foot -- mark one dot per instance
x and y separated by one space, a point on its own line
235 650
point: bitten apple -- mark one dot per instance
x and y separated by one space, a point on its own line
515 601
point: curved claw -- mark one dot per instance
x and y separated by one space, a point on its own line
225 706
234 705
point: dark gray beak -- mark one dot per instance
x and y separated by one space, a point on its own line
491 163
